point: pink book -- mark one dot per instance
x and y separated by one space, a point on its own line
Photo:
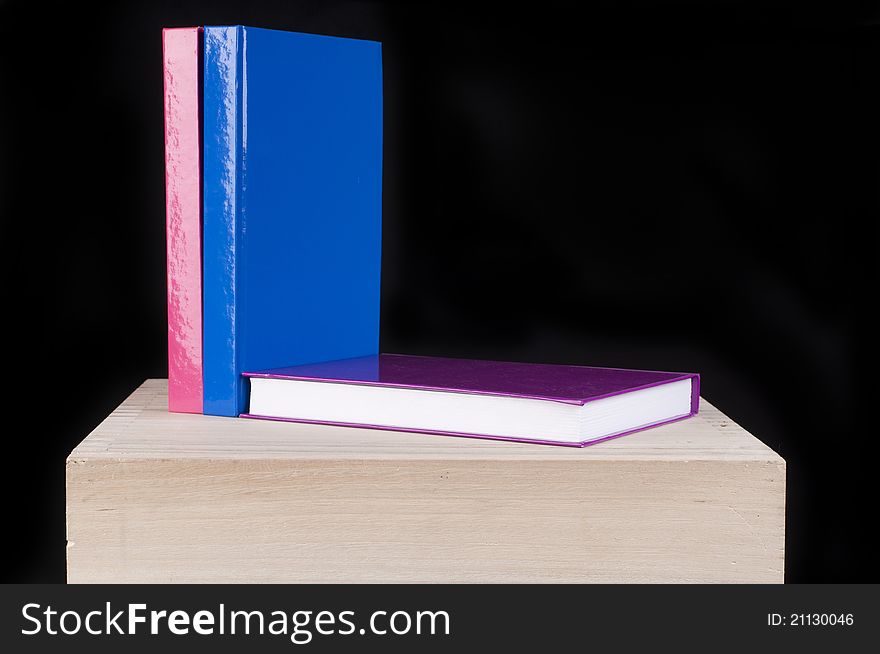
183 215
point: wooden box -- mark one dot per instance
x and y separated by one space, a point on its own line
159 497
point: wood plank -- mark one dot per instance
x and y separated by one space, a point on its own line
157 497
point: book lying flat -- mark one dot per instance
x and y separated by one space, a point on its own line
527 402
183 216
292 203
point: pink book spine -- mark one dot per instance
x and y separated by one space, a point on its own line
183 218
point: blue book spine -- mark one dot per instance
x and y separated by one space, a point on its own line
292 196
220 197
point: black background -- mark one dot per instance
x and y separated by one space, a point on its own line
684 186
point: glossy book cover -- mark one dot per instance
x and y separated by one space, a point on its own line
566 384
180 47
292 203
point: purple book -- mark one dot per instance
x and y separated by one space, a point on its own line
525 402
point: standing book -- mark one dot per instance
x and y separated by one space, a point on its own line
292 203
527 402
183 217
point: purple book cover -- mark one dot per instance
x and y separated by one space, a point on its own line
573 385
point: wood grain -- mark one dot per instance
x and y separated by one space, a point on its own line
160 497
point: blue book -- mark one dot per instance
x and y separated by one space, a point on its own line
292 196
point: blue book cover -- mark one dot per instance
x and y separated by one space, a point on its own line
292 204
